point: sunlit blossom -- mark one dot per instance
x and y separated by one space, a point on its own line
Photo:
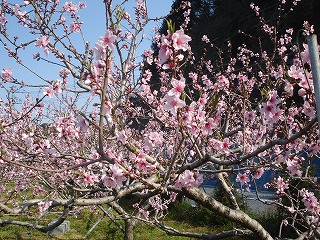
107 40
180 40
243 178
173 103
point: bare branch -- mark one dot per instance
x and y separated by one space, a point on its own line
225 234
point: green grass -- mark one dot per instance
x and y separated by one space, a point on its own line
181 216
105 230
182 219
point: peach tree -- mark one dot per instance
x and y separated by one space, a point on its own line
100 132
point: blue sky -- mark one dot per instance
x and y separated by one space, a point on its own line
93 28
156 8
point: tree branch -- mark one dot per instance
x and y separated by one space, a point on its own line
235 215
231 233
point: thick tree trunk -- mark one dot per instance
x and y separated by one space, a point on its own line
129 229
235 215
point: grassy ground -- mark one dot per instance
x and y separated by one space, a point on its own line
79 226
181 216
105 230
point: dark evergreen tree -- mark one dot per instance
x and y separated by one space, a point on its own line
230 24
235 21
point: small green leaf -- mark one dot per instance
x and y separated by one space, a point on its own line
87 66
171 26
133 148
215 100
265 92
183 96
119 13
81 153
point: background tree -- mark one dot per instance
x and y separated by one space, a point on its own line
232 24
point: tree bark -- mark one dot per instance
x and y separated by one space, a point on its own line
235 215
129 229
